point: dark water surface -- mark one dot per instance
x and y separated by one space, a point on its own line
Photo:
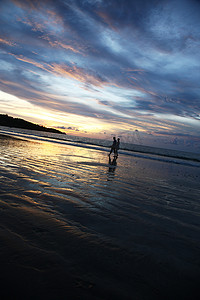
74 227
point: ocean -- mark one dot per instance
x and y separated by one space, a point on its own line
76 225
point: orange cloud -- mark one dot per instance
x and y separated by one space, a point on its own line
63 70
28 4
55 18
30 61
73 71
59 44
3 41
46 19
107 20
76 73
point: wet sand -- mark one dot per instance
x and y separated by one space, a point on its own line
74 227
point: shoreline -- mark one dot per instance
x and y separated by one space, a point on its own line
138 149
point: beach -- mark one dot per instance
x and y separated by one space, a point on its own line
76 226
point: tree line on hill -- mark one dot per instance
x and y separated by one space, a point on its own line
9 121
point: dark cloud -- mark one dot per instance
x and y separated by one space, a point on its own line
61 127
71 128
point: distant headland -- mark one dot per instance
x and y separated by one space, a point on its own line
8 121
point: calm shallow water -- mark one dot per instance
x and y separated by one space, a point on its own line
73 223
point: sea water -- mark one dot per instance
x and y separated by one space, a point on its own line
102 144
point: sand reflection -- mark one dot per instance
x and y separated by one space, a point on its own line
73 219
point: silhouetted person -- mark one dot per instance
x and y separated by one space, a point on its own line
117 146
113 147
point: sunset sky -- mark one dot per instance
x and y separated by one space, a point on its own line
103 67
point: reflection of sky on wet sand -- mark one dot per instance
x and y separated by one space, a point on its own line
59 166
66 202
46 166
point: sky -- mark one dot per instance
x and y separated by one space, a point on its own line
100 68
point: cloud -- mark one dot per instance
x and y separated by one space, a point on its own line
6 42
135 62
61 127
72 128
